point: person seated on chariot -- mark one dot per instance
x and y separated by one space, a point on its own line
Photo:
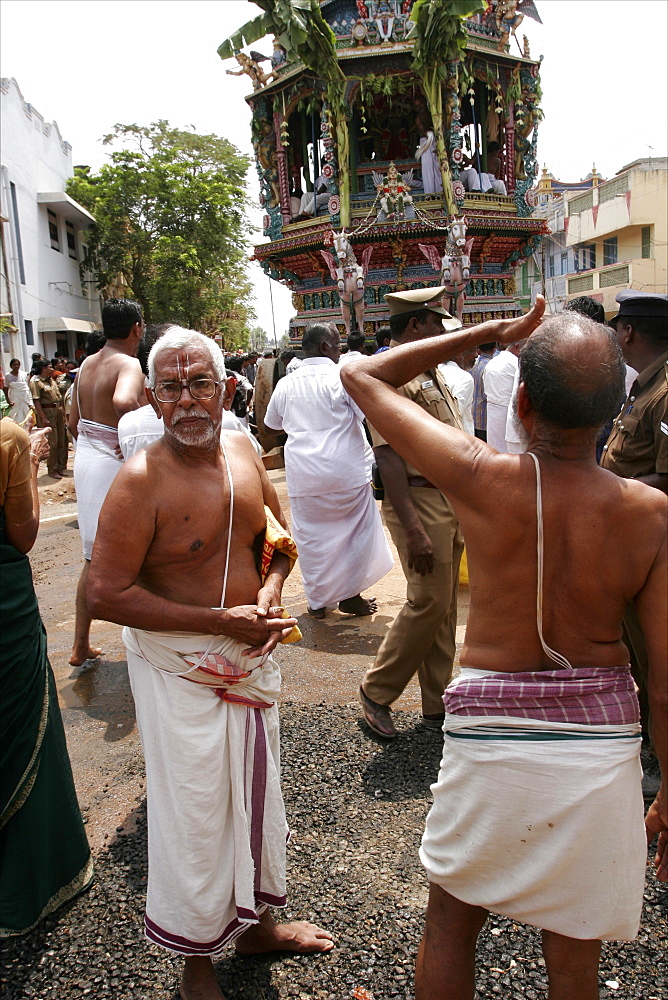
312 200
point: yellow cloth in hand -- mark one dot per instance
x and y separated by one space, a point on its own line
276 538
464 571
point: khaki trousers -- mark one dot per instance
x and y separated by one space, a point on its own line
422 636
57 459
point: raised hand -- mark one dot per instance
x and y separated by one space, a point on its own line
509 331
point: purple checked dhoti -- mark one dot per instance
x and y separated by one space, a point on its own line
538 810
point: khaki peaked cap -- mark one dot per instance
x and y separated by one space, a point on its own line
421 298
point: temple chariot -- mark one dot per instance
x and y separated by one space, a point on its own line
395 145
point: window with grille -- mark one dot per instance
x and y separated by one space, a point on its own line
71 240
646 242
54 235
610 251
586 257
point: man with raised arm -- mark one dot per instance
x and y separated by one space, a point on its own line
108 384
538 812
175 561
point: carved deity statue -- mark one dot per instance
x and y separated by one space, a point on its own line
508 20
250 65
394 194
349 277
454 266
265 153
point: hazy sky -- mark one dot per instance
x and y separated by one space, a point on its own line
88 64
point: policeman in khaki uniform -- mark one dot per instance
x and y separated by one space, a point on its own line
424 529
48 402
638 444
637 447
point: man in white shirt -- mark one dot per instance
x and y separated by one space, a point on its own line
335 520
498 381
461 385
355 344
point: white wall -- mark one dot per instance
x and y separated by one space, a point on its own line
35 159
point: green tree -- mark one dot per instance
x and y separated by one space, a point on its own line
170 211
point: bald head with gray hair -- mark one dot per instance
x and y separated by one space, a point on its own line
178 338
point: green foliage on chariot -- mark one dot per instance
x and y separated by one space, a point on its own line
384 84
439 33
299 27
440 38
170 224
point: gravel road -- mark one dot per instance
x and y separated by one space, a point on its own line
356 808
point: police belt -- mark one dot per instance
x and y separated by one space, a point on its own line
420 481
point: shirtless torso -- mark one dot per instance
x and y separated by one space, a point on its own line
602 537
167 573
110 384
171 576
604 544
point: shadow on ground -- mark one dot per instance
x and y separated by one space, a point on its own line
101 689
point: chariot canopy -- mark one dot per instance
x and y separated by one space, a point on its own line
386 123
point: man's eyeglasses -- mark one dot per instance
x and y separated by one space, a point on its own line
199 388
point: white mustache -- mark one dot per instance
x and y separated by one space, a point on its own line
194 411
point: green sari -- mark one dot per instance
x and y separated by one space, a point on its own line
45 859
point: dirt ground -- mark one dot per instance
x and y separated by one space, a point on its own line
324 668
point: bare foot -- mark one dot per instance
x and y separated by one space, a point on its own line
317 612
80 656
198 981
299 936
359 606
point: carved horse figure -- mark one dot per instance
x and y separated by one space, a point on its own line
349 276
454 266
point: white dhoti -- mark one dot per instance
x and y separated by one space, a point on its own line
216 819
95 468
341 543
488 182
497 414
542 821
311 202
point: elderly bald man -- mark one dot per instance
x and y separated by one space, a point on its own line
201 623
538 810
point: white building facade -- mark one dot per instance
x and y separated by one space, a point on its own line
45 305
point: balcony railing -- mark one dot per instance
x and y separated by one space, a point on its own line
605 277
